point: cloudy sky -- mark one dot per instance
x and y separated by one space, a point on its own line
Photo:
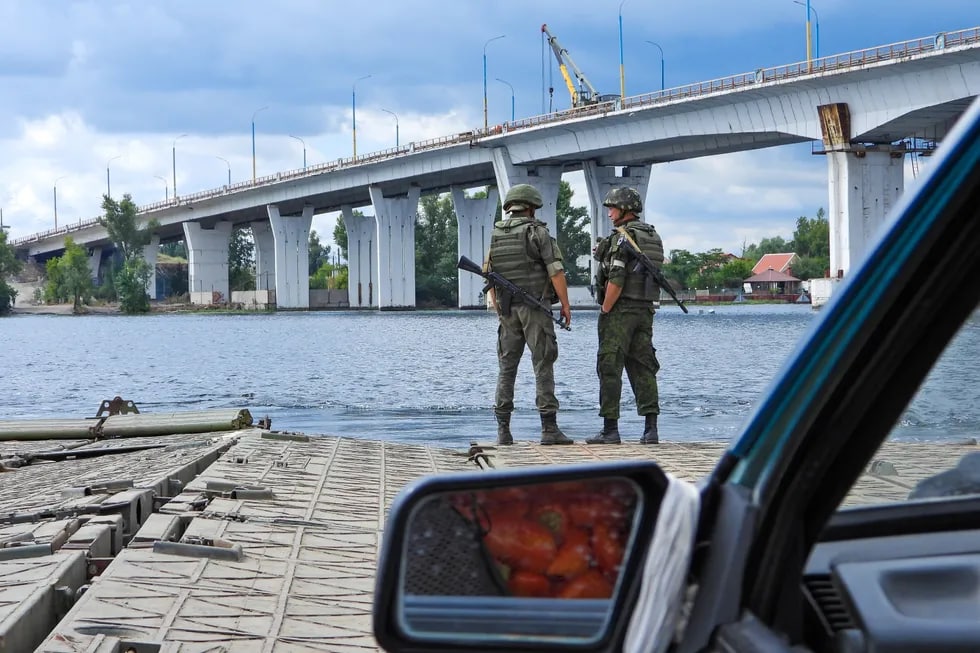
88 85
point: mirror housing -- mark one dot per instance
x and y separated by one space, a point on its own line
544 558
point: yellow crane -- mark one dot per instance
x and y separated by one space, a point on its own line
585 94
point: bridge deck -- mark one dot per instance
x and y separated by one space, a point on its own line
281 536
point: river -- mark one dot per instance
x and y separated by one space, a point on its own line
424 377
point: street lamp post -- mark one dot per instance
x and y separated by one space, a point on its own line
622 66
166 189
56 199
304 148
108 191
661 63
511 97
816 17
173 152
254 113
486 124
228 165
353 112
396 125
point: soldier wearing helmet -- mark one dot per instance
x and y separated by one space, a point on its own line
627 295
522 251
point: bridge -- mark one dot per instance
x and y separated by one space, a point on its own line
864 109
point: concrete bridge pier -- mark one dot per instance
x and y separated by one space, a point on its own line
150 256
865 183
396 218
291 234
474 217
265 255
94 262
599 180
362 252
545 178
207 261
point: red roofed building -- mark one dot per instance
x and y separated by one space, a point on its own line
779 262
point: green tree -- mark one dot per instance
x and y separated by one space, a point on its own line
573 235
241 259
682 268
177 249
74 275
811 242
9 266
436 246
774 245
319 253
122 224
340 233
54 287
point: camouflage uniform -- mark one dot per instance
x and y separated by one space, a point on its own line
626 332
525 324
627 295
523 252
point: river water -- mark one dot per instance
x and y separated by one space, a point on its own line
417 377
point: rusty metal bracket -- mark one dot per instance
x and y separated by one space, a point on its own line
117 406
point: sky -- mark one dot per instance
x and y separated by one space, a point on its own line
142 88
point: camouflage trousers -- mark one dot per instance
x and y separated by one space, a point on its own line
531 327
626 341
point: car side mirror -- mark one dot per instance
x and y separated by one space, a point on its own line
547 558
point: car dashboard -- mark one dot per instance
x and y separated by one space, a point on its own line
895 593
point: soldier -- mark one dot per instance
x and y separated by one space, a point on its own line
522 251
627 299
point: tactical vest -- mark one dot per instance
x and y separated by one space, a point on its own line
515 259
639 285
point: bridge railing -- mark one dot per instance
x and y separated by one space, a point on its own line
832 63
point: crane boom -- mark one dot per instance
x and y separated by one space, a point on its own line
585 93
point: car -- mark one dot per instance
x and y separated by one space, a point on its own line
765 554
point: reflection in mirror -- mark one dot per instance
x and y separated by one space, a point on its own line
538 560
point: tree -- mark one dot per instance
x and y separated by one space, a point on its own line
241 259
340 234
74 276
319 253
9 266
573 234
121 222
176 249
774 245
436 246
811 242
682 268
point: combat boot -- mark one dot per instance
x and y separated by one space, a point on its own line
550 433
609 433
503 429
650 434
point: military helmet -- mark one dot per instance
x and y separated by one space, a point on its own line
523 194
625 199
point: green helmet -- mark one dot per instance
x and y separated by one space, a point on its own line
523 194
625 199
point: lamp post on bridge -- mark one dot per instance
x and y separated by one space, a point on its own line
166 189
173 152
304 148
511 97
622 66
486 124
661 63
227 164
254 113
353 112
395 116
56 199
816 17
108 190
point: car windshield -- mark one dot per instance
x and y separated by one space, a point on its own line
921 459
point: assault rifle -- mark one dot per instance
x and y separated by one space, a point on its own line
643 262
495 279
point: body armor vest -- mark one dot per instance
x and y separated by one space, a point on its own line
514 258
638 284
